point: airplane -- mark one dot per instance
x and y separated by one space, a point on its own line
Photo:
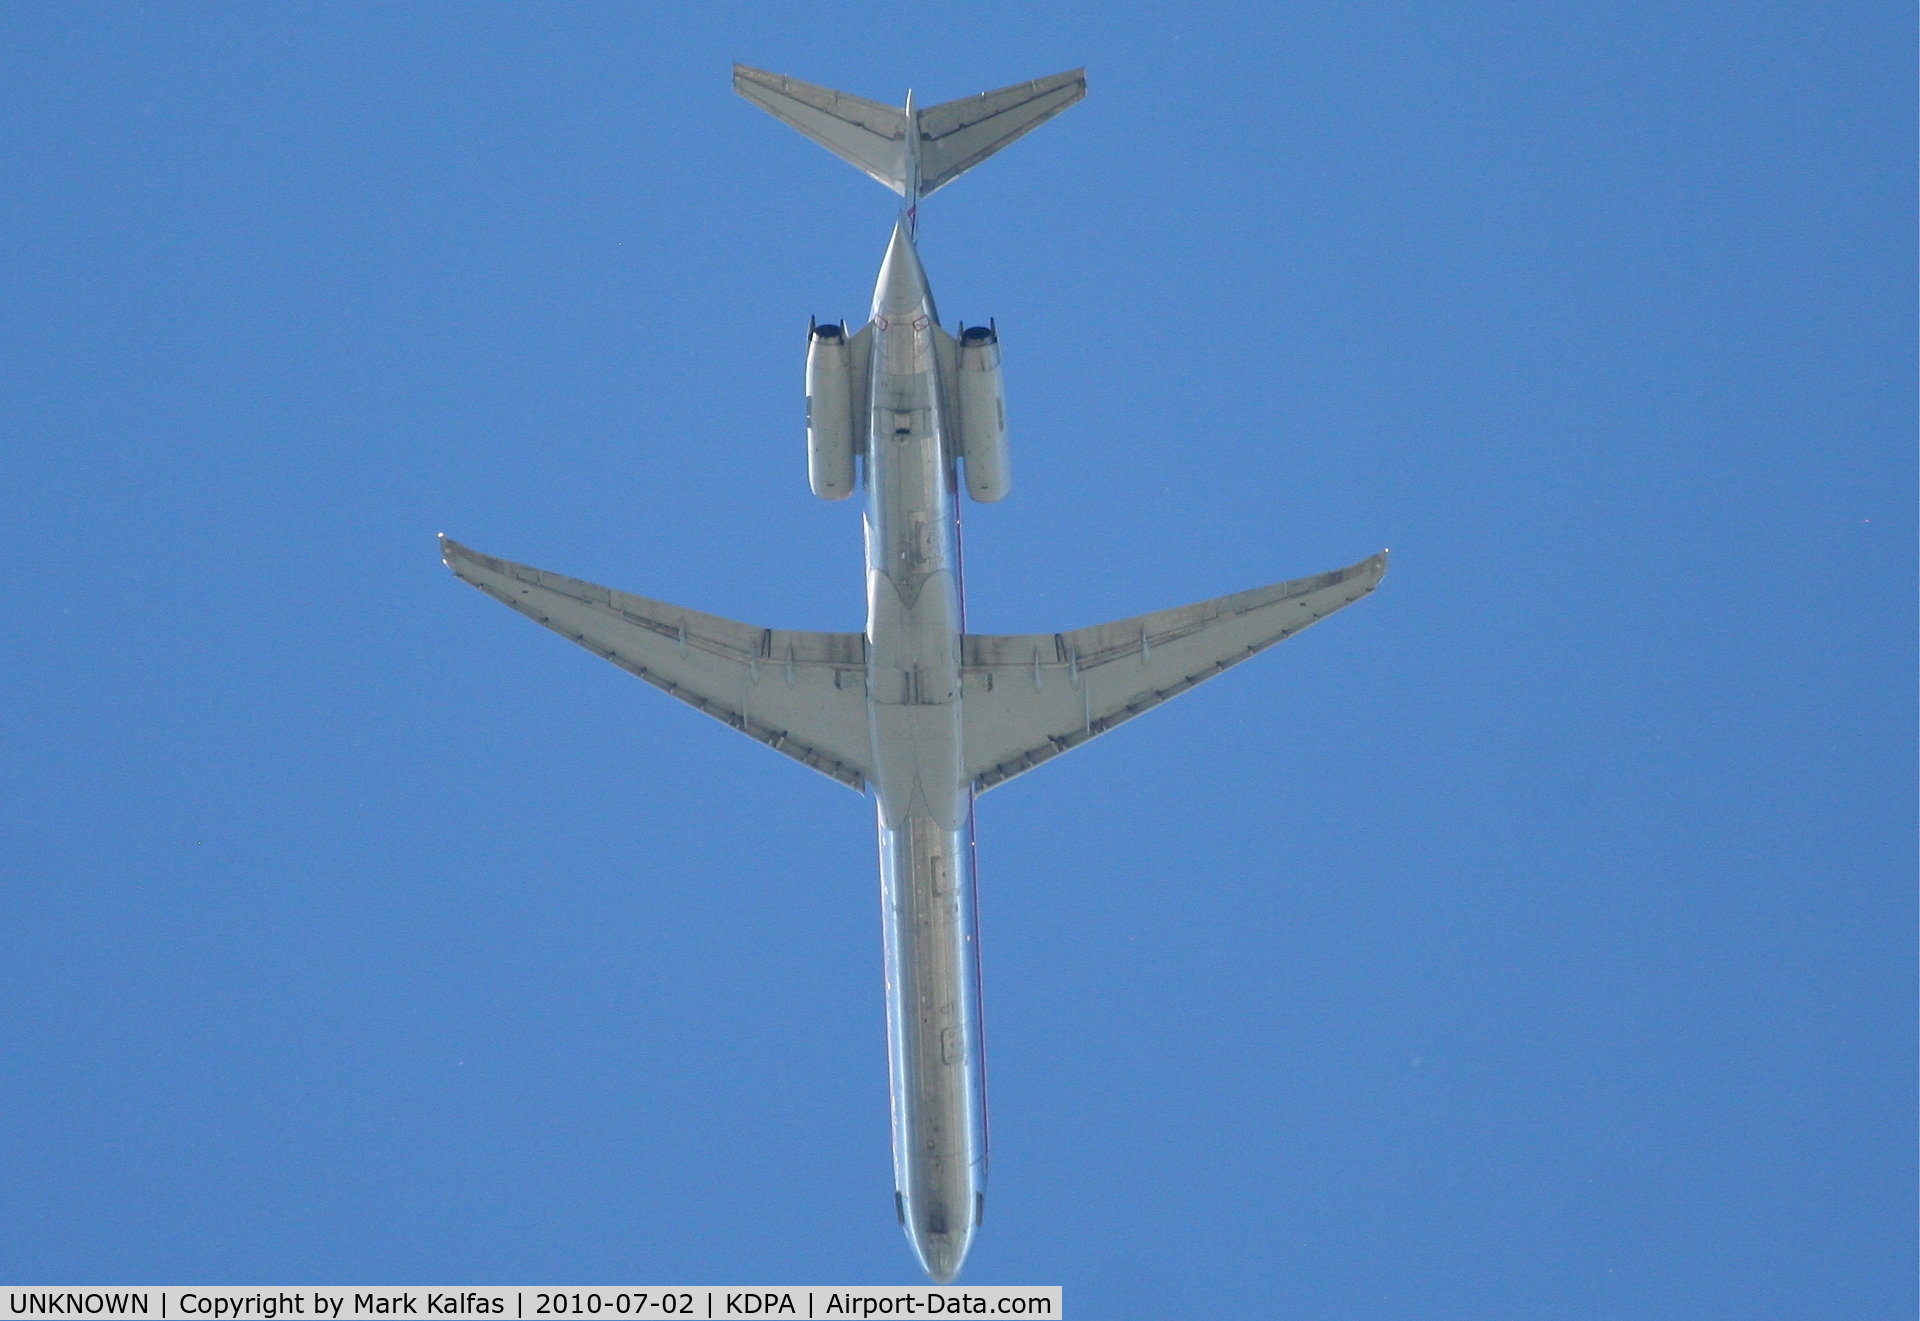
918 711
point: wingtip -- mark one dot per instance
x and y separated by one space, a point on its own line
746 77
1370 570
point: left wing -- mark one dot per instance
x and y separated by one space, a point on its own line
803 694
1025 699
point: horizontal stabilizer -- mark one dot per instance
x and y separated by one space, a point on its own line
957 136
867 135
803 694
938 144
1028 698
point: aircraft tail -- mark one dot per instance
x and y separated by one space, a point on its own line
911 149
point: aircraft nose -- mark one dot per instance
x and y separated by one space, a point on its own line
902 288
942 1255
942 1250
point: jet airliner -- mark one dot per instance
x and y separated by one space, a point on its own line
917 712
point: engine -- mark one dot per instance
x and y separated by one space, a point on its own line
983 415
830 421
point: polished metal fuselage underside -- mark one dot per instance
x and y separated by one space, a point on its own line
920 782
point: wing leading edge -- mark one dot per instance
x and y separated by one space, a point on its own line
803 694
1027 698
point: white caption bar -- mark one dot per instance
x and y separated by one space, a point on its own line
525 1303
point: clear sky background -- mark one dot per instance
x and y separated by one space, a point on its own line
1535 939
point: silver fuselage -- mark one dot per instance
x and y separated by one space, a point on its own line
934 1049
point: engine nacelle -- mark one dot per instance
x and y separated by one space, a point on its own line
830 430
983 415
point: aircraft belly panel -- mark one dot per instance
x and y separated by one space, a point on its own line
933 1019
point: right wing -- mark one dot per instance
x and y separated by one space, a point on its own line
803 694
1026 699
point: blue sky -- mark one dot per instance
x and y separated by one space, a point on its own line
1536 939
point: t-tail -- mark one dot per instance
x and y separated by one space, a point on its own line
915 152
